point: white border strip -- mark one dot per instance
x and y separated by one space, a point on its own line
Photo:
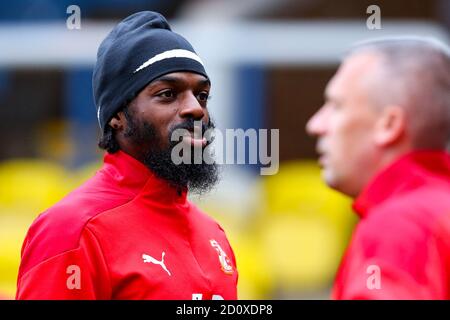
293 43
175 53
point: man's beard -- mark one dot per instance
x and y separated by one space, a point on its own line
198 178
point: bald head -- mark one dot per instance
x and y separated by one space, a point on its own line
414 73
388 98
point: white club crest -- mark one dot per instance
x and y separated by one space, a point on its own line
225 262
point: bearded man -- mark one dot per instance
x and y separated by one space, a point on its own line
129 232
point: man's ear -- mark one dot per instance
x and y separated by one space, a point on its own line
118 121
391 126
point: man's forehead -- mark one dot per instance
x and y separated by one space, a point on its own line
359 64
353 72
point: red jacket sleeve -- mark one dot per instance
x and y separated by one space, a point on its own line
80 273
393 256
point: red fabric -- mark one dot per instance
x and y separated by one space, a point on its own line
404 231
100 233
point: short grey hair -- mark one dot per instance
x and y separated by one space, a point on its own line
416 76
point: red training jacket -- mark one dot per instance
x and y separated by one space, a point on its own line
125 234
400 249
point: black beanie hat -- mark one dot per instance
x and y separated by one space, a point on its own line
138 50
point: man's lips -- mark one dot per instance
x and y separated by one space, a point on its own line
322 160
322 155
195 141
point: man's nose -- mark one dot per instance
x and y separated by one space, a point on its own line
316 124
192 108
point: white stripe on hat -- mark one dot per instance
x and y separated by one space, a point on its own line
98 115
175 53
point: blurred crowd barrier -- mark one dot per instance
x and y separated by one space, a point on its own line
288 243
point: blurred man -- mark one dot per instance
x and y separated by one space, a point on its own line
382 136
129 232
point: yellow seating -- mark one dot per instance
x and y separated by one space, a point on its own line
306 227
27 188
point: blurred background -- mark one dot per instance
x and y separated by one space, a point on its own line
269 61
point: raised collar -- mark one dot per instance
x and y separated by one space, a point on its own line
133 176
405 174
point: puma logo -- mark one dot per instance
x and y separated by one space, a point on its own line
150 259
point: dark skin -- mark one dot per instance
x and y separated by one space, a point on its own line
165 102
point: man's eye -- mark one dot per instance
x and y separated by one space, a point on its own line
203 96
166 94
